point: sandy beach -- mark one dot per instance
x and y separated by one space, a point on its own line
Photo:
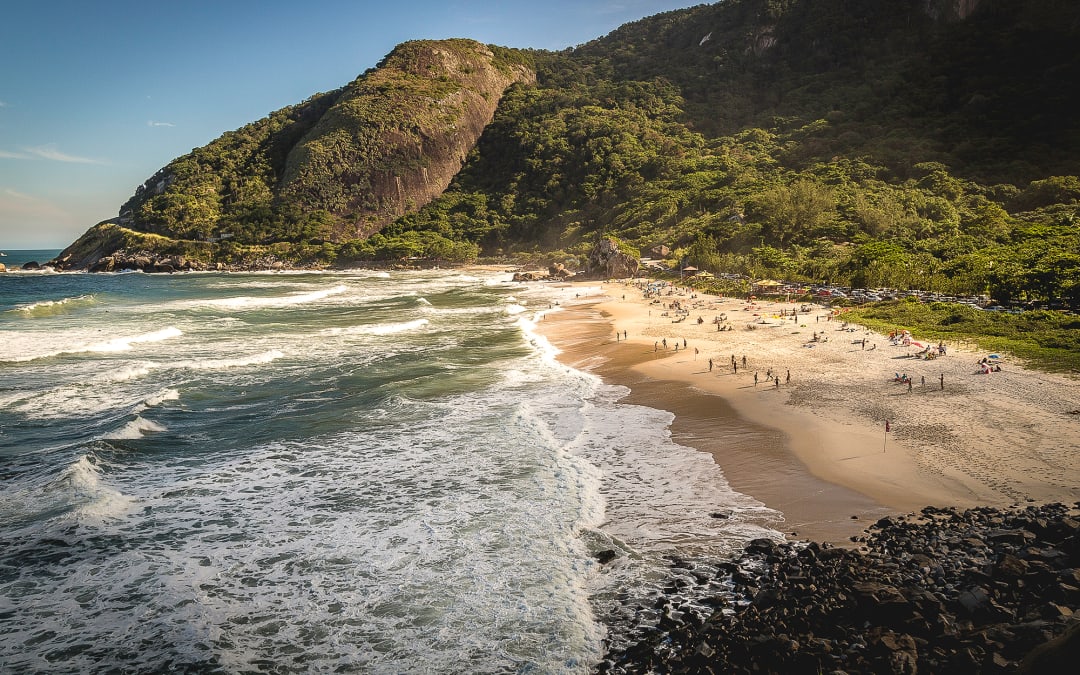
813 443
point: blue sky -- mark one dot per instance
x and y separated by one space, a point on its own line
95 96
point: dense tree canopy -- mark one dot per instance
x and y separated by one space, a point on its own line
883 143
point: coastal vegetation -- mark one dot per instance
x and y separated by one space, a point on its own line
904 144
1047 340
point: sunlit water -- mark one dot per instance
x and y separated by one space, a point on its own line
324 472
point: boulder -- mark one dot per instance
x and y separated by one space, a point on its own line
559 271
105 264
607 261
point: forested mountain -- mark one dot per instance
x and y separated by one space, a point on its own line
921 143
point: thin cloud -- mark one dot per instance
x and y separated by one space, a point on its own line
18 204
4 154
153 123
50 152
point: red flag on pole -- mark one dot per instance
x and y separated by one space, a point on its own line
886 426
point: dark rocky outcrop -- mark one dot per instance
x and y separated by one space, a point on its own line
398 134
556 272
607 260
977 591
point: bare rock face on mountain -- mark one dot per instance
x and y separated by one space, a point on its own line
607 261
398 134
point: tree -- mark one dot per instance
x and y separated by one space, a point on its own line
795 212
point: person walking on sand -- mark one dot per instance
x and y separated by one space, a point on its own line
743 360
909 384
755 379
788 376
777 381
624 335
710 365
943 382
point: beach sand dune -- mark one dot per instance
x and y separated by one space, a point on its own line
813 444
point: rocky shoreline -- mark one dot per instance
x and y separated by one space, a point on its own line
977 591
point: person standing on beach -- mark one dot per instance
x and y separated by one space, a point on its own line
788 376
624 335
755 379
943 382
743 360
710 365
777 381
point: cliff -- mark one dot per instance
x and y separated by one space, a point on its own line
339 166
398 135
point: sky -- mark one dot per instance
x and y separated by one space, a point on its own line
97 95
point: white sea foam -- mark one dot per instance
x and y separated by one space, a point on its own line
514 309
80 486
379 329
161 396
33 346
136 428
253 302
45 307
81 477
125 343
130 372
238 362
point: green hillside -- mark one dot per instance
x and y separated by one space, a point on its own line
908 143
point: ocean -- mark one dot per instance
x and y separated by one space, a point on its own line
355 471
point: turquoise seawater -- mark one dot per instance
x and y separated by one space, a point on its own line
324 472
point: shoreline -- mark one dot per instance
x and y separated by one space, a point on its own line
814 446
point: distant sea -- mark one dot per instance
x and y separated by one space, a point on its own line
324 472
14 260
